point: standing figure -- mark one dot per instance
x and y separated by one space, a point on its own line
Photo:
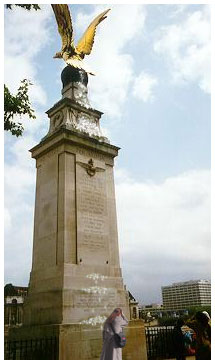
114 324
202 328
179 341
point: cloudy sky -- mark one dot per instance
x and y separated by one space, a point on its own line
152 65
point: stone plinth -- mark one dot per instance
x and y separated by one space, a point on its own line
76 274
84 342
135 348
76 280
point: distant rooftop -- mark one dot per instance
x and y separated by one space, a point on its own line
10 290
131 297
188 282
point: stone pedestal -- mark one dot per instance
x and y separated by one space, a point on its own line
83 342
76 280
135 348
76 274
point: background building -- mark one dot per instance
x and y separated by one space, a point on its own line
154 309
13 305
133 307
186 294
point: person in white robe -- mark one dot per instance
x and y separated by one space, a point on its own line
109 350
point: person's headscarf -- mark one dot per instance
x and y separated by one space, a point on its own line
202 318
206 314
114 314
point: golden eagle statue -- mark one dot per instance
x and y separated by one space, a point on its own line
74 55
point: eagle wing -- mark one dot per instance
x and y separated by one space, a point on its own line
84 165
64 23
98 169
85 44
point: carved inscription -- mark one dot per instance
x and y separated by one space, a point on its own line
89 153
92 300
92 214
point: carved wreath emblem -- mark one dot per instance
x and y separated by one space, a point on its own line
58 118
91 170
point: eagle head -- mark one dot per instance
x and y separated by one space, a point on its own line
58 55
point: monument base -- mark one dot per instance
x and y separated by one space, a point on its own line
135 348
79 342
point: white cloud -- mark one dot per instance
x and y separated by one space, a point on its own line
165 229
7 219
143 87
19 201
110 58
19 173
33 126
186 48
18 245
26 34
121 175
177 9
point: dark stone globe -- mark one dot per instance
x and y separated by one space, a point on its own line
71 74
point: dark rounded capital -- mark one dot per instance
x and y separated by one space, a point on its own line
72 74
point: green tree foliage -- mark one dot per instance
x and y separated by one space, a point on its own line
27 6
17 105
193 309
167 321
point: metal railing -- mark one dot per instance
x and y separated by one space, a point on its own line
35 349
159 342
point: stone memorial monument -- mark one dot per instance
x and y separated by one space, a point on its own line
76 280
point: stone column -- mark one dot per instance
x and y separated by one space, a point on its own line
76 280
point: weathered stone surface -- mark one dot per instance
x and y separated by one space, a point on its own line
84 342
135 348
76 280
75 116
76 274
